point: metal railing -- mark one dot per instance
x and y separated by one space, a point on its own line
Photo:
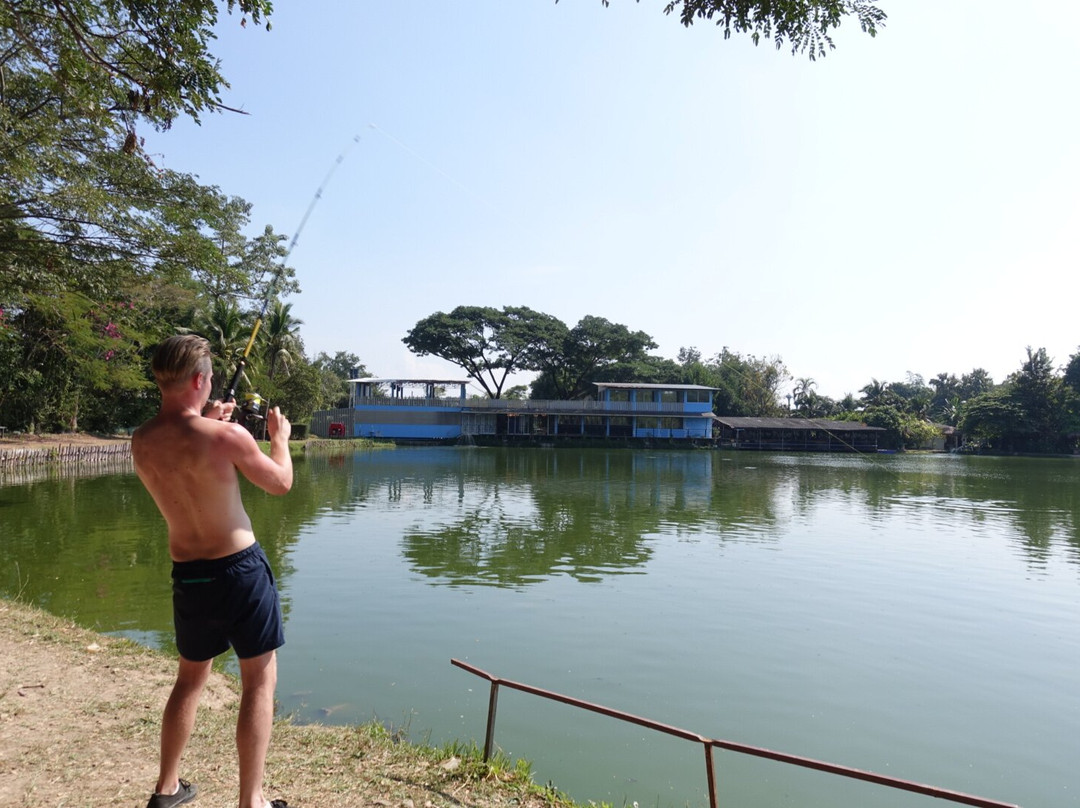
712 743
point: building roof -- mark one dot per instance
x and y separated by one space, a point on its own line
733 422
640 386
411 381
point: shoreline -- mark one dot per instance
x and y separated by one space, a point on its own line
24 454
80 716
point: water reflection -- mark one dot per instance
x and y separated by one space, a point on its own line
511 517
514 517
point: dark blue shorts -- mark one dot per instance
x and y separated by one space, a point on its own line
226 601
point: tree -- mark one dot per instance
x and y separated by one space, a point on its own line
299 394
487 343
235 266
991 420
745 385
572 361
79 77
65 359
1037 390
805 24
282 346
226 328
803 394
148 59
1071 375
913 395
876 394
975 383
945 401
90 227
1033 411
335 372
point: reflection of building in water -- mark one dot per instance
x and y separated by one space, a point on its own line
672 480
419 410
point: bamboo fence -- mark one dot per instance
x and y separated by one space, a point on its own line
19 465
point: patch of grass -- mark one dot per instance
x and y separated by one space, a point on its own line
325 446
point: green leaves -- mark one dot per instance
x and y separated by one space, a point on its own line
805 24
89 222
488 343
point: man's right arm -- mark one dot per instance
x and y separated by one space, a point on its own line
273 473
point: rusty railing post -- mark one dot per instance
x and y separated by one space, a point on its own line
493 705
710 774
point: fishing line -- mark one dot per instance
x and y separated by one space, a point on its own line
495 209
230 391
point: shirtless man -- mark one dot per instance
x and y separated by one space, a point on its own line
224 594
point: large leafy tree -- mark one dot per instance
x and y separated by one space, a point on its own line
64 357
913 395
335 372
1033 411
78 78
1040 393
806 25
101 250
746 385
489 344
991 420
1071 375
592 351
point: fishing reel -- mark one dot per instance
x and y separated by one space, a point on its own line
249 414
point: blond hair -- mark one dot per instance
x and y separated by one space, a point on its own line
179 358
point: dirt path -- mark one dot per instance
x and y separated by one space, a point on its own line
80 716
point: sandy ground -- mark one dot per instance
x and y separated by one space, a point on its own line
80 719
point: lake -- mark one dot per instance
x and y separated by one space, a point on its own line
916 616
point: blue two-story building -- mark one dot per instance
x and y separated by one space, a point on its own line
421 410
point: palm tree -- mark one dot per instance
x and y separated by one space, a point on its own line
223 325
282 341
875 393
803 393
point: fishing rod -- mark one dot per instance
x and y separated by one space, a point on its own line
230 390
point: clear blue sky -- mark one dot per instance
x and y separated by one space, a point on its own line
907 204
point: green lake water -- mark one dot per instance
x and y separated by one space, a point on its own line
913 616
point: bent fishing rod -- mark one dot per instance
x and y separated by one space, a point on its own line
241 363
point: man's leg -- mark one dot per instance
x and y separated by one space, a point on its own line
258 676
179 719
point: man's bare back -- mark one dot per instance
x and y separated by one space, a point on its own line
188 463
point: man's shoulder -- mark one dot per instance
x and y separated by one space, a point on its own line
143 434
